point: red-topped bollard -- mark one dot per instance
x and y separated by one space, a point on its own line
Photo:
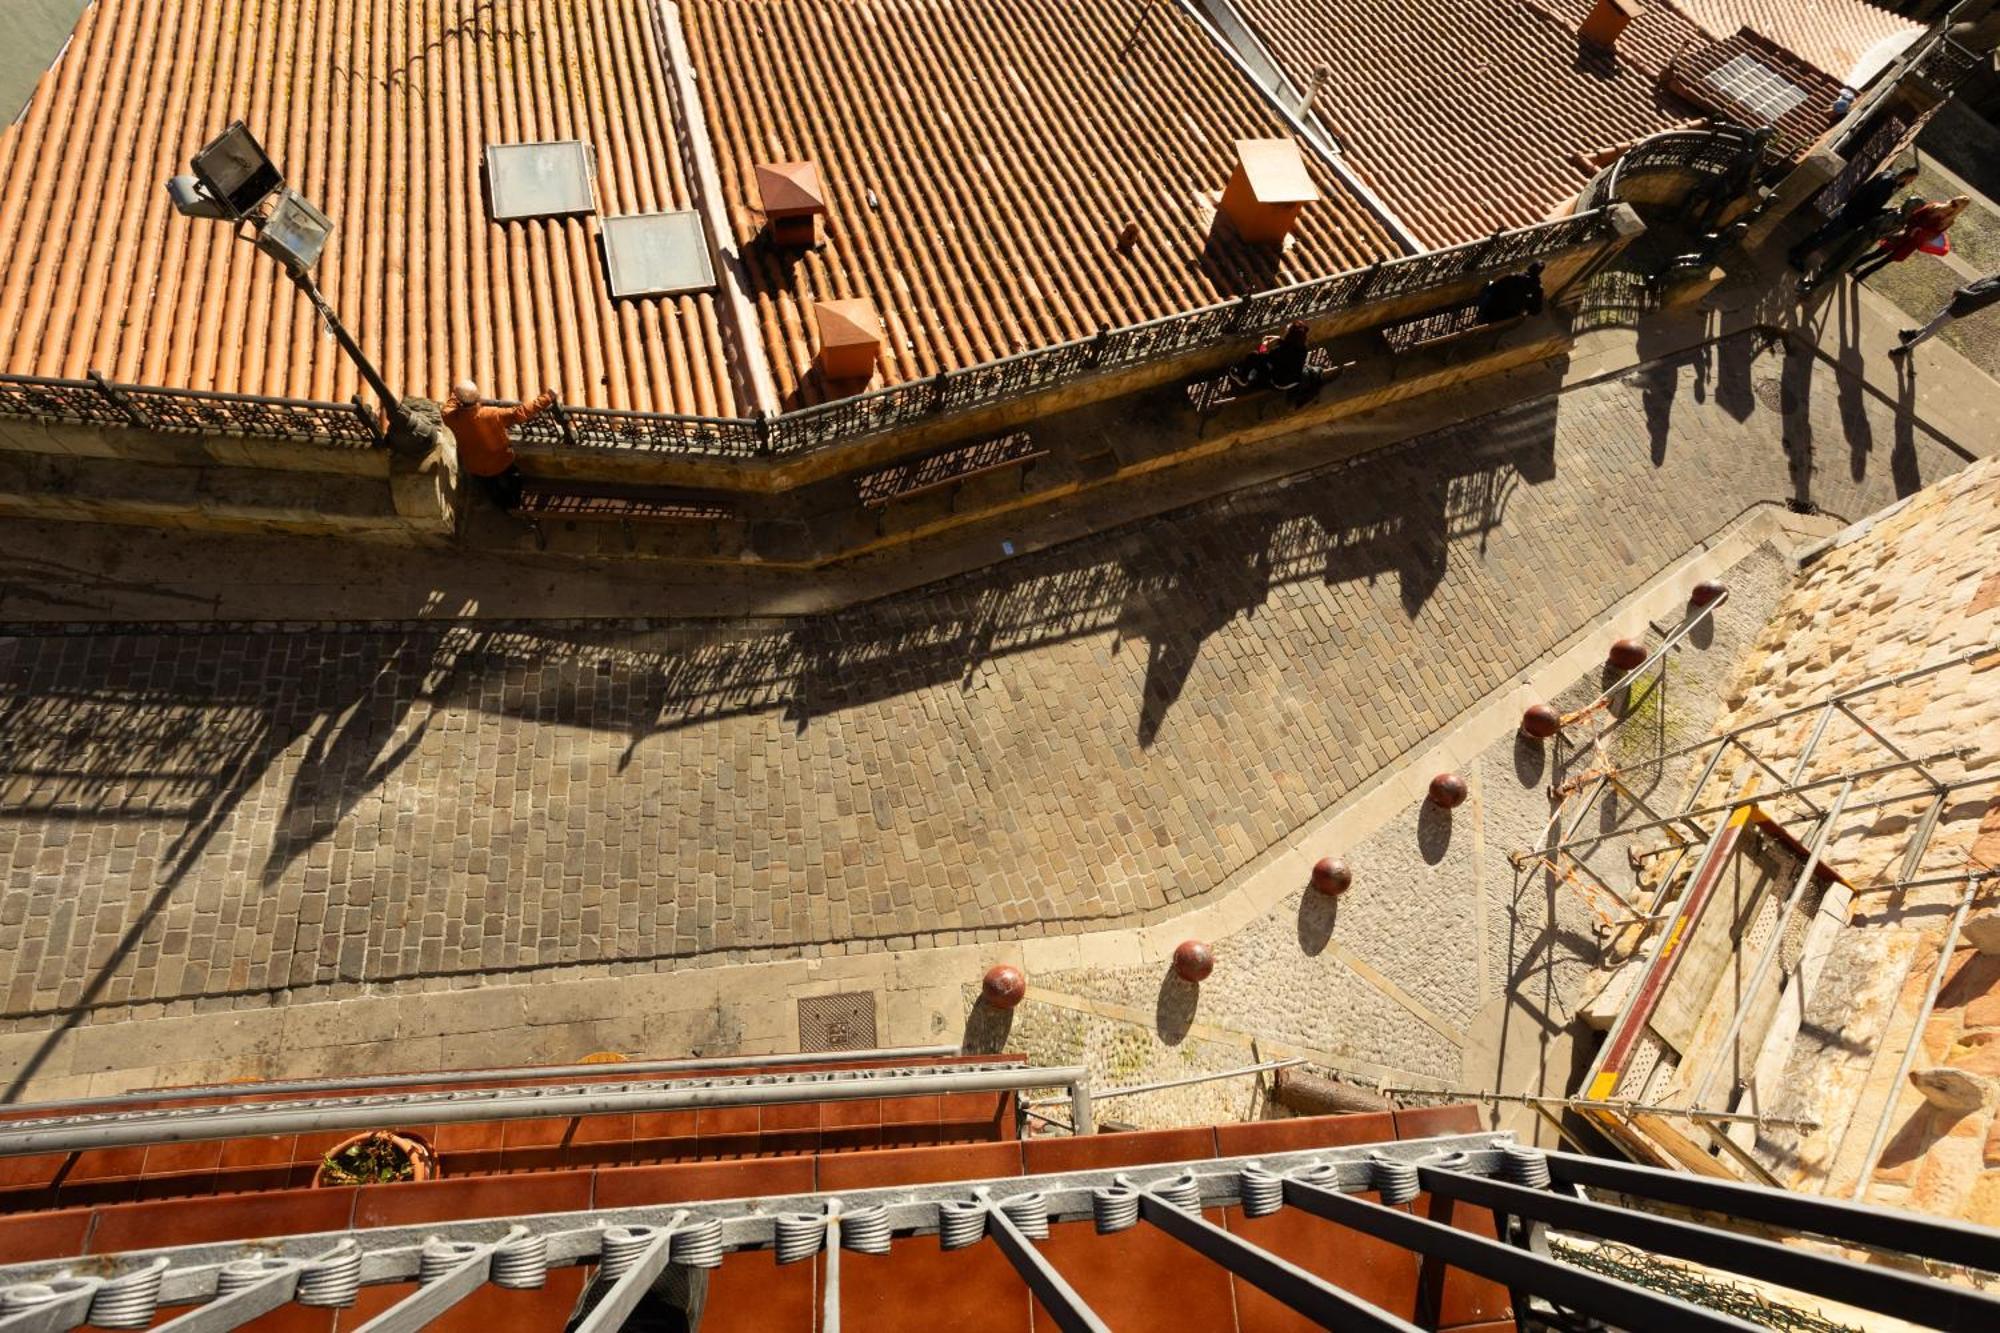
1003 986
1331 876
1448 791
1540 722
1707 593
1627 653
1193 961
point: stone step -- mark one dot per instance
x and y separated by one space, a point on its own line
209 496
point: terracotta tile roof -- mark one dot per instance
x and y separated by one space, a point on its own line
1833 35
980 159
1468 115
378 111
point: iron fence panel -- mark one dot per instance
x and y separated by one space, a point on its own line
97 402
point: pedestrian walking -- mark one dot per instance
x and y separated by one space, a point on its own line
484 450
1973 297
1852 249
1926 231
1869 199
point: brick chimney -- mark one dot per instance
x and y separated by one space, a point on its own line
1608 21
792 198
1268 190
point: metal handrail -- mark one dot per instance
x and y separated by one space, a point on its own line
453 1077
204 1123
97 401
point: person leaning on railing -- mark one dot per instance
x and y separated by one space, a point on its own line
484 450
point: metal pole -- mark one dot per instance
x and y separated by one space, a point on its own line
229 1123
1674 636
1758 724
301 279
1769 954
1622 1108
358 1086
1881 1135
1760 797
1080 1120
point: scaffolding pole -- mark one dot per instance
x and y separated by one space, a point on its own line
1759 798
1625 1109
1845 696
1916 1042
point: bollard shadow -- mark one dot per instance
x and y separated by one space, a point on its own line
1433 832
1703 633
1173 1012
1319 913
1531 760
986 1029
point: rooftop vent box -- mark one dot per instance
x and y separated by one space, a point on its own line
792 198
540 180
1608 20
656 254
850 338
1268 190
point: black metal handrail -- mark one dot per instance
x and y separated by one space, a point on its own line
1714 151
1946 64
96 401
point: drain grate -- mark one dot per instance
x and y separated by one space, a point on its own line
844 1022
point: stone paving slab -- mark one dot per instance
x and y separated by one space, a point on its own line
196 819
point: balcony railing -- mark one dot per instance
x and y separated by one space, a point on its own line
98 402
1491 1207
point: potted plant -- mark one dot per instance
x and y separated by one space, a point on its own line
377 1157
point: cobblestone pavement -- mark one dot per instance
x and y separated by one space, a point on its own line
199 818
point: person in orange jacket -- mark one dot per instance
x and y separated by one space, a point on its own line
484 450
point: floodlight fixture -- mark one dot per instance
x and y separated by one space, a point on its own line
236 171
233 176
190 200
295 233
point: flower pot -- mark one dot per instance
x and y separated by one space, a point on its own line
377 1157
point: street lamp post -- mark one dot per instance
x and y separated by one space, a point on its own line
233 178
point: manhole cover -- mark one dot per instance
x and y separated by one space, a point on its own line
844 1022
1776 395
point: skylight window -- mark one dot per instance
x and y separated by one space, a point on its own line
656 254
540 180
1757 87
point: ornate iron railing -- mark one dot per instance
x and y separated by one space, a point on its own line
1717 151
805 429
96 401
1946 64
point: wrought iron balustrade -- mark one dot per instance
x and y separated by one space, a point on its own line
96 401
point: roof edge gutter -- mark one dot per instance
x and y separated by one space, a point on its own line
1228 28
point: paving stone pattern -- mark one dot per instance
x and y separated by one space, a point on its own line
202 818
1445 965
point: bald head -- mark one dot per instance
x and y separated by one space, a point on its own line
466 392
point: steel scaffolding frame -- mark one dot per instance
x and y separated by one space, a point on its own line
1563 846
224 1286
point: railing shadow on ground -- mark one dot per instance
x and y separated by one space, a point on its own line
175 733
